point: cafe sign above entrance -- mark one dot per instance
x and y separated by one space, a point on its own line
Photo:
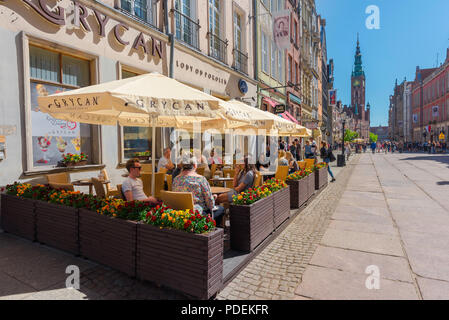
67 12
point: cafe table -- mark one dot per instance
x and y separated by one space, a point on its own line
219 190
220 180
88 182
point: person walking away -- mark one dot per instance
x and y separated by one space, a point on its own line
293 148
327 155
308 150
373 147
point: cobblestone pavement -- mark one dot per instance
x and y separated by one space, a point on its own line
33 271
277 271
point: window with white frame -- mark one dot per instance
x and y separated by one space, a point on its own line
280 64
186 29
53 72
237 31
264 52
144 9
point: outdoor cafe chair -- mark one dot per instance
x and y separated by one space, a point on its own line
99 188
301 165
282 172
109 191
178 200
62 186
120 192
200 171
162 170
62 177
169 180
257 179
309 163
158 183
231 172
147 167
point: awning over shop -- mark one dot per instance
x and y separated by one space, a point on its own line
286 115
272 103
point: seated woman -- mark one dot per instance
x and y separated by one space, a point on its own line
189 181
243 180
293 165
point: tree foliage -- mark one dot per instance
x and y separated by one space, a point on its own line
350 135
373 137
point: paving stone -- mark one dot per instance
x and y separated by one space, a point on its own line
433 289
330 284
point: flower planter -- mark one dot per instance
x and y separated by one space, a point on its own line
299 192
311 185
187 262
143 158
281 206
109 241
321 179
76 164
18 216
57 226
251 224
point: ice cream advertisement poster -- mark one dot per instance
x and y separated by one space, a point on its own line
51 137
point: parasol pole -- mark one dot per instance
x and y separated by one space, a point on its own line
153 155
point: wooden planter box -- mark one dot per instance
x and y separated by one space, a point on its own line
251 224
189 263
76 164
299 192
57 226
281 206
311 185
321 179
109 241
18 216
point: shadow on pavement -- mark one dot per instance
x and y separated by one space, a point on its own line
442 158
29 270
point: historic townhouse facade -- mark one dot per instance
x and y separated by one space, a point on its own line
49 48
430 103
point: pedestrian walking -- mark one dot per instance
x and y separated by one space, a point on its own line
328 157
373 147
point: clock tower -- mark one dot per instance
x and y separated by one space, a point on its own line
358 86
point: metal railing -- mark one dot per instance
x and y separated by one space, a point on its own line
186 29
240 61
218 47
151 22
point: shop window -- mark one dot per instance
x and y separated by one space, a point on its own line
53 72
139 139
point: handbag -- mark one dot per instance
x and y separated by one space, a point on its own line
331 156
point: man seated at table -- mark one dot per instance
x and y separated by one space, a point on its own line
165 162
132 187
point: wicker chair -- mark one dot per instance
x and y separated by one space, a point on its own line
310 163
109 191
62 186
99 188
62 177
282 172
158 183
178 200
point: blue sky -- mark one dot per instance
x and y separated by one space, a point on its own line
411 33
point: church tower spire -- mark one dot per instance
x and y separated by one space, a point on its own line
358 69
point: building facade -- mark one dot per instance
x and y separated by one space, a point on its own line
292 62
430 103
401 112
270 69
51 48
382 133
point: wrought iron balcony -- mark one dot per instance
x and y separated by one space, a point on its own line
218 48
186 29
240 61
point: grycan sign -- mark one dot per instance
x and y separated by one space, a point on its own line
76 14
